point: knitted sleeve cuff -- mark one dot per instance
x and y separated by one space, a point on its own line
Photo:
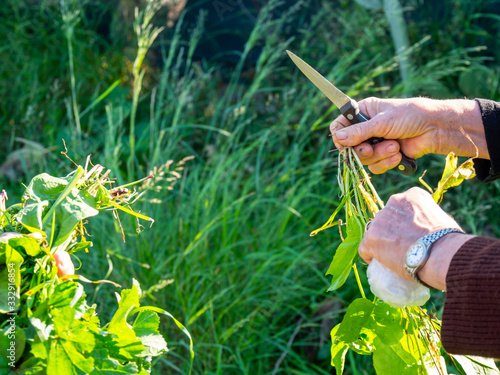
489 170
471 318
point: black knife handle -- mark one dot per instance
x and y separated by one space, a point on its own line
407 166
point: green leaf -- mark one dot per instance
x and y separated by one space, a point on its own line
356 317
78 360
32 366
79 246
4 291
364 344
146 327
12 336
38 349
339 350
147 322
401 358
46 194
68 293
4 366
387 323
77 206
129 299
126 338
346 254
10 279
73 330
111 366
26 244
45 187
31 215
59 362
177 323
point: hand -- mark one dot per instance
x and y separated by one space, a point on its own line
406 218
62 259
64 264
416 126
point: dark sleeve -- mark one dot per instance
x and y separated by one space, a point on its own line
489 170
471 315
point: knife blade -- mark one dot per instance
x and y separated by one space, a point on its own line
349 107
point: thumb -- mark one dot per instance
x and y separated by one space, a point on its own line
355 134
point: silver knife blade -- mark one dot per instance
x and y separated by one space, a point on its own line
334 94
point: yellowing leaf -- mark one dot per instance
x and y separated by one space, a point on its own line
453 175
330 223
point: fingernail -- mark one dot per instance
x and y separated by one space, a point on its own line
391 149
341 134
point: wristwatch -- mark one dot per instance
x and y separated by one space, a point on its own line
419 252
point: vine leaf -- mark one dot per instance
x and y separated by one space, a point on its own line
364 343
12 261
387 323
146 327
397 359
46 196
346 254
356 317
339 350
453 175
128 342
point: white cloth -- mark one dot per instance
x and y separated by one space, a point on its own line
394 289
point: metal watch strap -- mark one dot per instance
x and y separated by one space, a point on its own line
429 241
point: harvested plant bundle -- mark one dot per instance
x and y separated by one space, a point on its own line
401 340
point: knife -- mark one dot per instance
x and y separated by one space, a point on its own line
348 107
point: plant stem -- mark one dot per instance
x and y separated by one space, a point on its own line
358 280
73 86
135 102
368 182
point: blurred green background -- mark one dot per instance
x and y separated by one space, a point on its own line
230 254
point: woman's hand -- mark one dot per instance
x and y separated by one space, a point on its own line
415 126
406 218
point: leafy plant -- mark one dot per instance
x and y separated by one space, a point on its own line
400 340
46 309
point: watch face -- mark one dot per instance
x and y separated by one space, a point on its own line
415 254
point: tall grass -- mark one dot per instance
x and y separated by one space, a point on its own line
229 254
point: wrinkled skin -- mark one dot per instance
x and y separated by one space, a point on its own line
406 218
415 126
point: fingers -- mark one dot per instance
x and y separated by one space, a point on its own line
380 157
338 124
345 134
364 252
384 165
64 264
